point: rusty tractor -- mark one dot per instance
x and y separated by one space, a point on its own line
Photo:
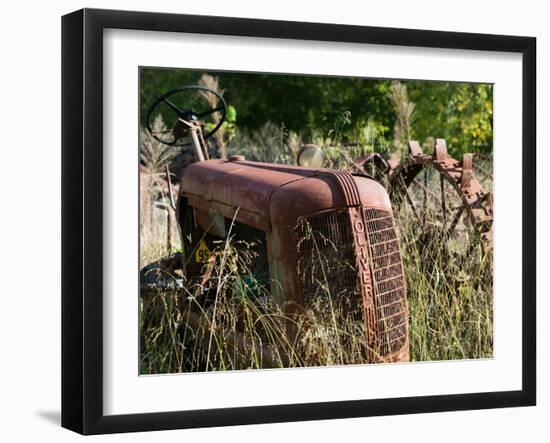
311 226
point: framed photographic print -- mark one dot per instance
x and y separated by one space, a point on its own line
269 221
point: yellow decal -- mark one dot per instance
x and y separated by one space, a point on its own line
202 253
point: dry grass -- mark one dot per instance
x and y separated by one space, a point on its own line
156 202
231 322
450 298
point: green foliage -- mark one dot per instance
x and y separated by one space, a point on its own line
462 113
228 127
231 116
313 106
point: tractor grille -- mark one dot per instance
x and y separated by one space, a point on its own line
327 263
388 282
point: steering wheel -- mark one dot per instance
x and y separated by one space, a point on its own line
185 108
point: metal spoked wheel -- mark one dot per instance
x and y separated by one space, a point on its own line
441 199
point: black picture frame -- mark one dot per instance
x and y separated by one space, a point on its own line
82 218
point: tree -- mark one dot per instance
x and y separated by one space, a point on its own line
311 106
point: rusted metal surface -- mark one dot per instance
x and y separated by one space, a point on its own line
415 149
389 289
323 192
223 186
365 270
260 189
325 249
347 238
467 171
476 203
440 150
359 245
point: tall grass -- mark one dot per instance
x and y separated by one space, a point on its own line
450 298
230 321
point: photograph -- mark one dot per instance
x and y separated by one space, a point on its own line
272 222
294 220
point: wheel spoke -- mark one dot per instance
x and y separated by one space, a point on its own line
456 218
443 205
425 203
410 200
173 107
425 188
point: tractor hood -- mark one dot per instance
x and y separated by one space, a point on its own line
266 193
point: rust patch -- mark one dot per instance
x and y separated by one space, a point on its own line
467 170
440 151
414 149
